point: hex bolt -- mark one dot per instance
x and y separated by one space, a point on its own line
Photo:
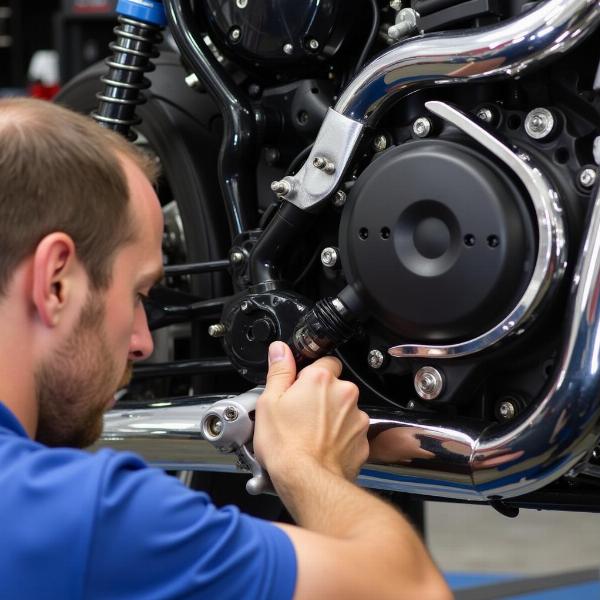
507 410
587 177
380 143
235 33
241 3
217 330
539 123
245 306
422 127
396 5
313 44
321 163
236 257
230 413
375 359
288 49
329 257
192 80
281 188
486 115
407 21
429 383
339 199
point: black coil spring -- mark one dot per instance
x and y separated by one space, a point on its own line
133 51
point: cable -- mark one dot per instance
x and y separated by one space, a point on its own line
370 39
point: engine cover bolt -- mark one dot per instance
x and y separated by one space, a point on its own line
230 413
396 5
288 48
217 330
539 123
235 33
587 177
407 21
321 163
422 127
507 411
245 306
339 198
375 359
329 257
486 115
313 44
380 143
241 3
236 257
428 383
281 188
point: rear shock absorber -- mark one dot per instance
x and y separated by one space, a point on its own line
138 33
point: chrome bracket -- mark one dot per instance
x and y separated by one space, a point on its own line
552 246
229 426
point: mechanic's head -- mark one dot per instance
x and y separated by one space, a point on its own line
80 240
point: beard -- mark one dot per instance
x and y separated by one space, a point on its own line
75 387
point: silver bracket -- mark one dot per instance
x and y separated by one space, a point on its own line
229 426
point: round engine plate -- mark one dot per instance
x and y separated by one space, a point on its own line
438 241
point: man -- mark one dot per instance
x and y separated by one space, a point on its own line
80 245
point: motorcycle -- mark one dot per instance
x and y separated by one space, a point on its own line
411 186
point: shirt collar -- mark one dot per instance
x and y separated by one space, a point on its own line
10 422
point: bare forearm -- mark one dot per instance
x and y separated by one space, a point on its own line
325 503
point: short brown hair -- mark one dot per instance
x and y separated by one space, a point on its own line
61 171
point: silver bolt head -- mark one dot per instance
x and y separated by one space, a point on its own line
329 257
339 199
241 3
539 123
288 48
410 404
507 410
281 188
216 426
245 306
236 257
587 177
321 163
429 383
485 114
422 127
380 143
313 44
192 80
375 359
217 330
396 4
235 33
230 413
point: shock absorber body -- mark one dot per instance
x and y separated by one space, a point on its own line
138 33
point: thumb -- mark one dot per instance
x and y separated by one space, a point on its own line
282 370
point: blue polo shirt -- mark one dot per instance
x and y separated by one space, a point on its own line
77 525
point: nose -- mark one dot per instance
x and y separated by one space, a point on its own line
141 344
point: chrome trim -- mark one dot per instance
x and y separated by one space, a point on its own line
420 453
552 245
433 60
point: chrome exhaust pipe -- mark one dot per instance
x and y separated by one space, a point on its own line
421 453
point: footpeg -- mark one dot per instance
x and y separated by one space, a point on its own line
229 426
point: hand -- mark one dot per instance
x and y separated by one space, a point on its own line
314 418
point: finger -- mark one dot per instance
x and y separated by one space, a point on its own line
282 370
331 363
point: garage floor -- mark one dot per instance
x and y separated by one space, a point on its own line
473 544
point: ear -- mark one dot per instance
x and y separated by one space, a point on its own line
56 268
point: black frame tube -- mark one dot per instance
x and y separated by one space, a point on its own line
195 268
182 367
238 154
